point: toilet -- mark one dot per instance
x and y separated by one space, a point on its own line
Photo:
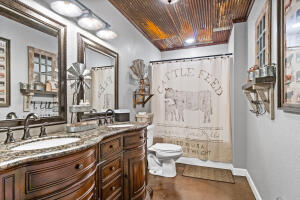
162 156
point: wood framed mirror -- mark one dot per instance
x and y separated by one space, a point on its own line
37 66
288 55
104 66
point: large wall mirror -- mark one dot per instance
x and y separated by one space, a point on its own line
32 66
289 55
103 64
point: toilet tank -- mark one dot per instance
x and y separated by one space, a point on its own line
150 135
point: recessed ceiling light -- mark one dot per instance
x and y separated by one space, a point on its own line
66 8
169 1
190 41
106 34
90 22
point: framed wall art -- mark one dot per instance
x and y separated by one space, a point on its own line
4 72
289 55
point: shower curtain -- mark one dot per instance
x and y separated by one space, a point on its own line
102 88
191 106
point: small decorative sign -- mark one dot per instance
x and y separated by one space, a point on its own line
4 72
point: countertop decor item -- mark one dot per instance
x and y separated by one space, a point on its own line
144 117
82 126
78 74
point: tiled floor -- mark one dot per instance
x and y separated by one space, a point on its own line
185 188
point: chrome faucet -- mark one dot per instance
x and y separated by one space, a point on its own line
112 117
26 126
9 135
11 115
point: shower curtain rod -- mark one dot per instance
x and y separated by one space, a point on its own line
108 66
171 60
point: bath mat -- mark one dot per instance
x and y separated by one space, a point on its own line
213 174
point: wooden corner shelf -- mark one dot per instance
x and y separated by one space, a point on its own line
141 98
258 87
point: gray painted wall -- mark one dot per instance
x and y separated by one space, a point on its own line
195 52
273 153
238 46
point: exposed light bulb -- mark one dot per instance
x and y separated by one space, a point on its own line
190 40
66 8
169 1
106 34
90 22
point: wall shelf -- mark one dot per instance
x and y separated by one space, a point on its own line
258 87
38 92
141 98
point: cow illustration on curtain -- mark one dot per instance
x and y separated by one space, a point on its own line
191 106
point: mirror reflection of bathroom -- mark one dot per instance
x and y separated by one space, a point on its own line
28 72
101 94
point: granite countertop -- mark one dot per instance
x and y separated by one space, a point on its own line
10 158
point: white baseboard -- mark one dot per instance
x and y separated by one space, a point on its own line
198 162
253 187
235 171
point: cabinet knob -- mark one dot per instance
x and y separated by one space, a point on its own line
113 188
79 166
111 146
112 168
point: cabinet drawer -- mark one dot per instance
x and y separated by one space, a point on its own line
45 177
134 139
112 188
110 147
111 169
84 190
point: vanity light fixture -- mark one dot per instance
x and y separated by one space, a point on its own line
106 34
90 22
66 8
84 17
169 1
189 40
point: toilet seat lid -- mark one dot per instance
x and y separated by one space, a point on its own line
166 147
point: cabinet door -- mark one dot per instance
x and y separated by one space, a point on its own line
135 174
12 184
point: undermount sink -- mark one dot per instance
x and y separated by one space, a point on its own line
120 126
47 143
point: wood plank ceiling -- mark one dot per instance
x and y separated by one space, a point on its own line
167 26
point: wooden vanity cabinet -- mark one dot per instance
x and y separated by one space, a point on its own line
135 174
10 187
110 169
129 181
135 165
114 169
